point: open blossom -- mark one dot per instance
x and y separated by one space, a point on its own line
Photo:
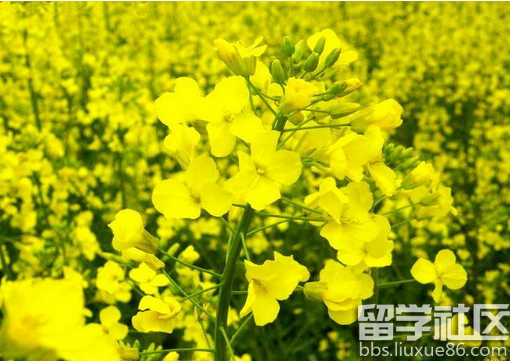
374 253
129 232
175 199
156 315
223 109
444 271
148 279
348 208
109 318
342 290
264 172
274 280
180 106
45 320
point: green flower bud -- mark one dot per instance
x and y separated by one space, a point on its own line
315 291
337 88
276 69
300 47
353 84
333 57
320 45
343 109
311 62
287 46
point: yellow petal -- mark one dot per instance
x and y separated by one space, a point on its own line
424 271
438 291
262 193
109 315
251 297
174 200
215 200
154 304
265 309
201 171
344 317
221 139
384 178
445 259
454 277
285 167
246 126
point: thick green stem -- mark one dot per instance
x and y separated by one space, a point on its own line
228 276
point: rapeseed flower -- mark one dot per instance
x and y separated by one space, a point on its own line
274 280
444 271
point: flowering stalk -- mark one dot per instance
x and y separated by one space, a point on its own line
235 248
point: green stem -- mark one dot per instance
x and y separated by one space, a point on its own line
383 285
176 285
242 327
200 292
228 277
314 127
289 217
191 266
5 266
178 350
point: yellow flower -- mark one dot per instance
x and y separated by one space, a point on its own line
386 115
181 105
264 171
45 319
239 58
348 209
129 232
110 279
348 155
342 290
444 271
374 253
177 200
109 318
148 279
156 315
274 280
422 174
181 143
298 94
384 177
223 110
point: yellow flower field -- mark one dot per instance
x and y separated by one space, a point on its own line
240 180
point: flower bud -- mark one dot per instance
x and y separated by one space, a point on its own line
315 291
353 84
422 174
332 58
239 58
129 232
343 109
320 45
386 115
300 47
337 88
287 46
276 69
311 62
430 199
